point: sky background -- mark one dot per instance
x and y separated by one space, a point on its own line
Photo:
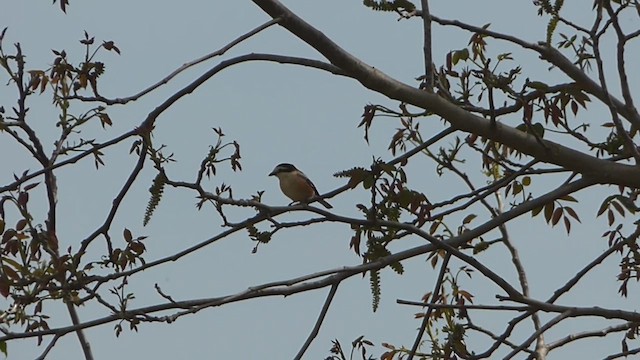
279 114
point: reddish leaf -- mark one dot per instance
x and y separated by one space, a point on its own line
23 199
21 224
12 274
4 287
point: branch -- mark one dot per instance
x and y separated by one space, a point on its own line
299 285
72 160
597 169
316 328
426 47
465 306
623 354
434 295
538 333
574 280
590 334
104 228
522 276
556 58
176 72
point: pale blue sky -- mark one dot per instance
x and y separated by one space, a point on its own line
278 114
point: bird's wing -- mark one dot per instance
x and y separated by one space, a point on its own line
315 190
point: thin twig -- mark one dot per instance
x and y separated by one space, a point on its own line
434 295
316 327
182 68
556 320
427 46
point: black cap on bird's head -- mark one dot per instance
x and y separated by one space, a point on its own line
283 168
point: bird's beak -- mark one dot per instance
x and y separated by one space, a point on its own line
273 173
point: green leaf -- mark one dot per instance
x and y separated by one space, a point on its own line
536 211
538 130
469 218
480 247
460 55
569 198
537 85
548 211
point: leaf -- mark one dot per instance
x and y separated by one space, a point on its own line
557 214
110 45
460 55
10 272
21 224
4 287
538 85
105 120
628 203
548 211
469 218
611 217
618 207
434 226
30 186
526 181
536 211
466 295
127 235
569 198
574 108
538 130
567 224
572 213
605 205
480 247
23 199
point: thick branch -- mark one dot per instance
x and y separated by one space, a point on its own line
600 170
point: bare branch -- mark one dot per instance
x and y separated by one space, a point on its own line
589 334
219 52
427 316
464 307
538 333
321 317
426 47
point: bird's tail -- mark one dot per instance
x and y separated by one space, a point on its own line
325 203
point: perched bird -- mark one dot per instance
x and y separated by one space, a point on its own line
296 185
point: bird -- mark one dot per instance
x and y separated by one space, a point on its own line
296 185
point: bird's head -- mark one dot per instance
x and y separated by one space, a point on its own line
282 168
